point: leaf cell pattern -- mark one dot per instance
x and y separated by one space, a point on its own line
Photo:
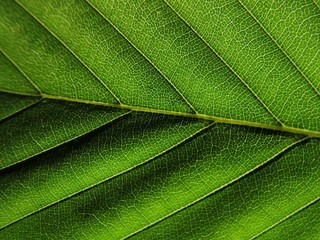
159 119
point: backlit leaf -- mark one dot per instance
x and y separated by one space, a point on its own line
171 119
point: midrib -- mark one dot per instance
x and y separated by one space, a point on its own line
284 128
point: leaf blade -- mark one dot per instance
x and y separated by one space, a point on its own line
172 183
47 125
170 119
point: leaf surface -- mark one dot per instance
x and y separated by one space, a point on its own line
159 119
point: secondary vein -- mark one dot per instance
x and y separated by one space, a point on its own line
147 58
72 52
287 217
22 109
180 143
22 72
316 4
223 187
279 46
226 64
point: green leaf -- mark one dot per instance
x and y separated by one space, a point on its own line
159 119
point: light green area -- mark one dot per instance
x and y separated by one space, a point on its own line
295 29
111 150
250 206
135 81
237 37
303 225
43 59
126 204
168 60
181 55
159 119
48 124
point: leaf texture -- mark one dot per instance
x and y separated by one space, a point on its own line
159 119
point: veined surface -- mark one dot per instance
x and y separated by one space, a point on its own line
159 119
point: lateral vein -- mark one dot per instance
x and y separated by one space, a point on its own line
316 4
279 46
72 52
21 71
223 187
195 134
226 64
22 109
147 58
287 217
61 143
